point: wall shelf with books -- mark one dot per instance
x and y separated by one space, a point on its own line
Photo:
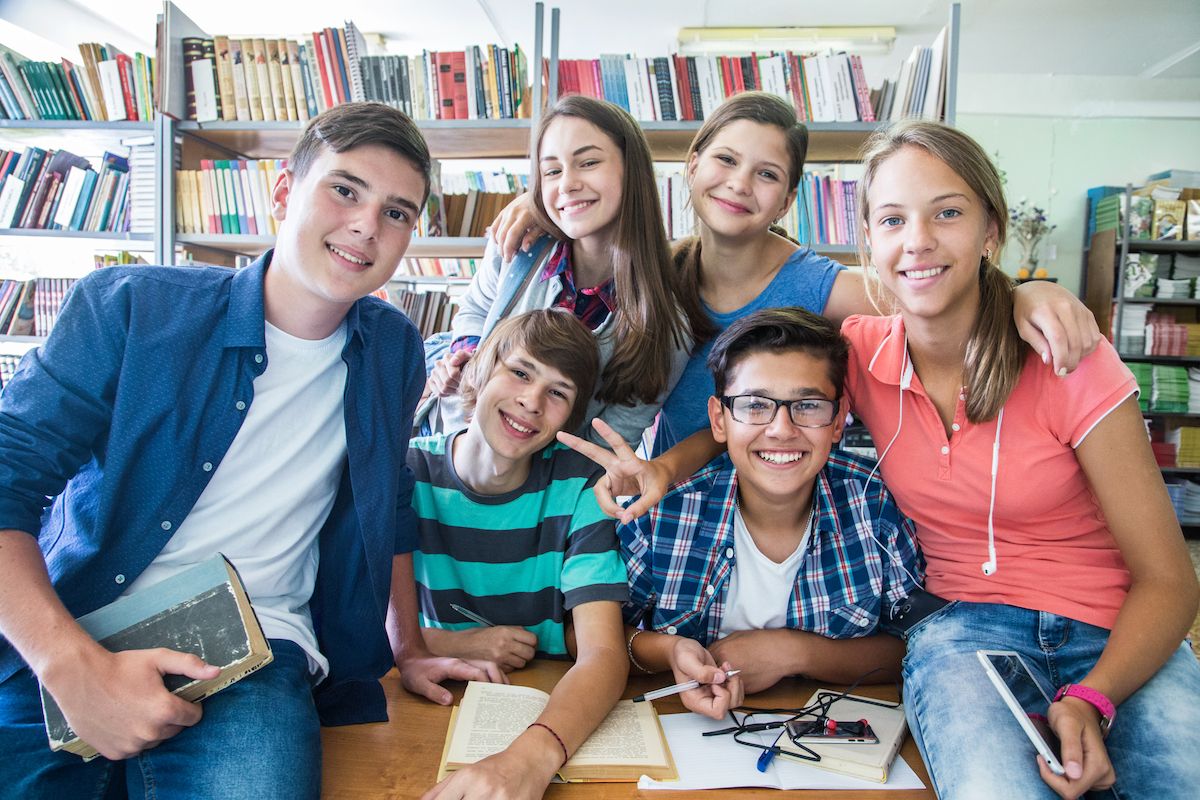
108 236
829 142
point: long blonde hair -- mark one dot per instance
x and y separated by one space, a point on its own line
765 109
648 325
995 352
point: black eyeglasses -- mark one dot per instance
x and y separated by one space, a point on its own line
807 412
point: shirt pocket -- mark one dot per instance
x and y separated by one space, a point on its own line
851 621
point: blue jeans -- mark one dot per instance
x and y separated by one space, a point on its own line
974 747
259 738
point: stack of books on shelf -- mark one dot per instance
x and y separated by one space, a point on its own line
1165 336
107 86
825 211
57 190
823 87
48 299
430 311
8 366
17 307
1160 212
1131 339
1187 445
1185 497
1104 214
143 212
1169 391
1144 374
227 196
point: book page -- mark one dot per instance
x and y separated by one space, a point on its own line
491 716
628 735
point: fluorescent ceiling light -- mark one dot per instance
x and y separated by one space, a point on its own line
732 41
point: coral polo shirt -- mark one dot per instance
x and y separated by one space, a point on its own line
1053 548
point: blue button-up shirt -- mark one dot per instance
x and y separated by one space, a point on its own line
861 557
118 421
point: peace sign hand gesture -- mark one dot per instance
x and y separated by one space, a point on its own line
625 473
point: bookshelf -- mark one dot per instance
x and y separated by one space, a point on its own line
181 144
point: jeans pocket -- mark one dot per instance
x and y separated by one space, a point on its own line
919 626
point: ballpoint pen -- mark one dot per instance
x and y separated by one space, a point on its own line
471 615
667 691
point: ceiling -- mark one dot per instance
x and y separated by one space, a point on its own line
1119 38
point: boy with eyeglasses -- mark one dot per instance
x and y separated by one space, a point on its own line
778 558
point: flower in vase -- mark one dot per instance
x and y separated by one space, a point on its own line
1028 225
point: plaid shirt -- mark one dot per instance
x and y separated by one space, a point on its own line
680 556
591 306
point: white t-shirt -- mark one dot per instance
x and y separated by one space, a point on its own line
270 495
759 588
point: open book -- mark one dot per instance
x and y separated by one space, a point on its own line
869 761
628 744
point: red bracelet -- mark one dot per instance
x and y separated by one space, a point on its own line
557 738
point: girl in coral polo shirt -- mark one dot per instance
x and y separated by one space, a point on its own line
1039 506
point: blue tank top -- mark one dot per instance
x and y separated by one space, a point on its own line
804 280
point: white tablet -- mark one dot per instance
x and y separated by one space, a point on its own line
1013 680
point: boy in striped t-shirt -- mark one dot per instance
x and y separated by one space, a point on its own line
510 532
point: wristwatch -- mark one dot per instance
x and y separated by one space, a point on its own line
1108 712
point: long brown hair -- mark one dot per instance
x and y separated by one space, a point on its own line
765 109
995 352
648 325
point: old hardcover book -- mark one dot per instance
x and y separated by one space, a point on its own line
868 761
203 610
628 744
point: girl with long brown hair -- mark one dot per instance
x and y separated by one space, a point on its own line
606 259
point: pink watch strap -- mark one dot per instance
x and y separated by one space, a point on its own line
1108 712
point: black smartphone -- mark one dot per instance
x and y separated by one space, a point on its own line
811 731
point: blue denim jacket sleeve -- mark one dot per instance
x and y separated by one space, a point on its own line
57 407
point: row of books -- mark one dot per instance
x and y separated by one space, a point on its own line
284 79
437 267
227 196
264 78
8 367
58 190
30 307
431 312
823 87
107 86
480 82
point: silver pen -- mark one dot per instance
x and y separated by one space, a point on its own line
471 615
678 688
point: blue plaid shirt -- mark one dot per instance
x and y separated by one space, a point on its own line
681 555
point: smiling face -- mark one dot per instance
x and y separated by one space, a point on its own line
777 463
582 173
521 407
739 181
927 230
345 225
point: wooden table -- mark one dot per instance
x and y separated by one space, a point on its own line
399 759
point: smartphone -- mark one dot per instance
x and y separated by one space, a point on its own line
809 731
1024 696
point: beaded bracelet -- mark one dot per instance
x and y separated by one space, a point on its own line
629 650
557 738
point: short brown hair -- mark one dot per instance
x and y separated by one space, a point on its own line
352 125
775 330
553 337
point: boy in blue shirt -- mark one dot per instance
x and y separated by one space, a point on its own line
779 557
510 531
264 413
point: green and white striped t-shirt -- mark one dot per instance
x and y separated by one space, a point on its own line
521 558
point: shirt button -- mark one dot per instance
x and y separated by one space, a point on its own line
240 405
729 552
955 427
258 358
863 622
945 449
206 466
710 589
166 524
962 397
119 579
671 629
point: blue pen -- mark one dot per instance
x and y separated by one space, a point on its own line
471 615
768 755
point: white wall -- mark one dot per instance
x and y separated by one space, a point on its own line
1052 161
